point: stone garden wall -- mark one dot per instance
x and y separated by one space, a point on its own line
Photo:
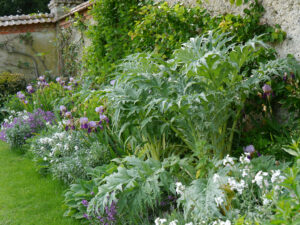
31 45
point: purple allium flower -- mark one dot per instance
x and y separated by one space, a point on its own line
92 193
86 216
85 203
58 79
267 89
249 149
25 102
100 109
112 82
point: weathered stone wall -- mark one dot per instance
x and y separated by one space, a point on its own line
286 13
31 53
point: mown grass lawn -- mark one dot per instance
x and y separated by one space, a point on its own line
26 197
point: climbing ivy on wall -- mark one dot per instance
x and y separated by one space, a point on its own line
123 27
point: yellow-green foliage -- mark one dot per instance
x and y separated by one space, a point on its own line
11 83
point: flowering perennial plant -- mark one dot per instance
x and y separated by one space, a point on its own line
18 129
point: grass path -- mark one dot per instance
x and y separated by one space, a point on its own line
27 198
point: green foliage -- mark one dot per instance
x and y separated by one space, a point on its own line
138 186
126 27
288 204
195 98
109 34
10 84
83 190
163 28
19 7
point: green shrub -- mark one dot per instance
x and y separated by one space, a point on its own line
11 83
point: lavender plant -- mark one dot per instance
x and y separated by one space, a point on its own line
25 125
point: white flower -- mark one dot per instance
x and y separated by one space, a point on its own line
220 222
216 177
159 221
265 200
245 172
276 176
238 186
189 223
244 159
259 178
76 148
228 161
179 188
173 222
219 200
59 145
45 158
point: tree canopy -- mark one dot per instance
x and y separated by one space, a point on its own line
18 7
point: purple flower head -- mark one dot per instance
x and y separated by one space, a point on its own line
30 89
68 87
71 79
100 109
92 124
86 216
112 82
104 118
42 78
267 89
63 108
68 114
85 203
58 79
25 102
293 76
20 95
84 122
249 149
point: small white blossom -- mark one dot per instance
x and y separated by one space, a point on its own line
173 222
245 172
220 222
189 223
235 185
259 178
45 158
244 159
219 200
179 188
159 221
76 148
276 176
216 177
228 161
265 200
